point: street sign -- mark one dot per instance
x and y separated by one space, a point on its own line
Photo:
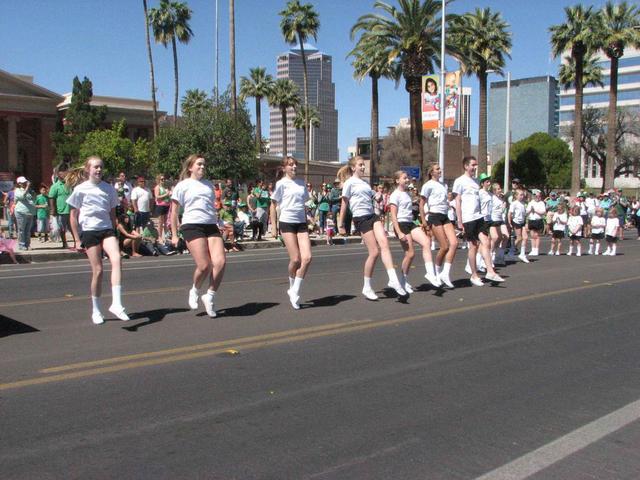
412 172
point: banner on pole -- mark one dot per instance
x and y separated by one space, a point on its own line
431 99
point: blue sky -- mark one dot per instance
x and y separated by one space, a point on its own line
104 40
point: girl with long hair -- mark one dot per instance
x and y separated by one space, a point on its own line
288 207
408 232
498 231
358 196
434 209
162 195
93 220
200 231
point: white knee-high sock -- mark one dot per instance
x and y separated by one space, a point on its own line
393 276
597 248
430 269
95 303
291 280
297 284
116 294
446 268
367 283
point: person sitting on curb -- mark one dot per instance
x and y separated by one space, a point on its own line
228 234
129 239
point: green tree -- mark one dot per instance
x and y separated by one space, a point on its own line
195 100
224 139
170 24
298 24
258 85
481 40
620 28
152 73
371 59
79 119
591 72
411 32
117 151
577 35
284 95
540 161
302 116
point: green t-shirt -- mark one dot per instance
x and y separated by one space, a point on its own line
262 197
226 216
59 193
150 233
42 213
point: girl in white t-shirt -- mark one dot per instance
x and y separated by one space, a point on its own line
200 231
93 220
408 232
435 212
288 206
536 210
517 213
357 194
612 231
598 224
574 225
559 225
498 231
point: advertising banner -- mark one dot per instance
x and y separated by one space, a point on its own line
431 99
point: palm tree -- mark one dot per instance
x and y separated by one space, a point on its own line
283 96
412 35
620 23
482 41
258 86
153 80
170 21
194 101
576 34
298 23
591 72
314 121
371 58
232 55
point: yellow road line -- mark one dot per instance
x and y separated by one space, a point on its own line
252 343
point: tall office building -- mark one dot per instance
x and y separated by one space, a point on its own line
533 108
463 114
322 95
598 97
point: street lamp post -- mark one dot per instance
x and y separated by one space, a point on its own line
507 139
443 105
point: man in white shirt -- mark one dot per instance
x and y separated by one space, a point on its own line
141 203
467 197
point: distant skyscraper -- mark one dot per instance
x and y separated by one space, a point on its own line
324 139
534 108
463 114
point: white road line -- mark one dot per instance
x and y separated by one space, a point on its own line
566 445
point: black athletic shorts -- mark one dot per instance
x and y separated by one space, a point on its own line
191 231
472 229
536 225
611 239
438 219
406 227
91 238
558 234
293 227
575 237
142 218
161 210
496 224
597 236
365 224
485 226
517 225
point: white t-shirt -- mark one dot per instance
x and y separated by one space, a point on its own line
402 200
142 197
575 225
598 224
360 196
536 210
126 186
517 211
613 223
469 192
592 204
291 195
559 221
435 195
486 200
197 199
451 212
497 209
94 201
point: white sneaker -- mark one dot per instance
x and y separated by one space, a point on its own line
476 281
369 293
579 254
533 253
208 300
467 268
558 253
97 318
523 257
294 299
398 288
550 252
119 311
193 299
407 287
433 280
494 277
446 280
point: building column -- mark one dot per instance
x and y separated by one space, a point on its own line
47 127
12 143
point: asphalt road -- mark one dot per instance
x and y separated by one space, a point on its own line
538 377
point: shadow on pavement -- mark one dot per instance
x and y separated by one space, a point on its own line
9 326
248 309
329 301
153 316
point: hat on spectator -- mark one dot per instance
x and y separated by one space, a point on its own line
21 180
483 176
228 203
242 204
515 180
